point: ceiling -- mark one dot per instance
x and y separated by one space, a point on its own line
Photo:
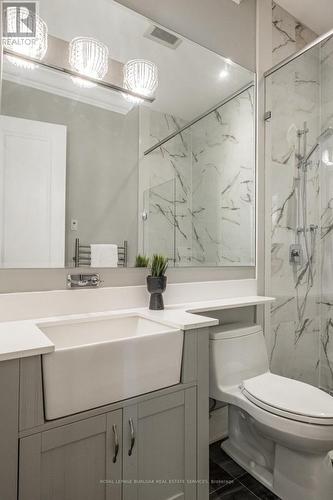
315 14
189 75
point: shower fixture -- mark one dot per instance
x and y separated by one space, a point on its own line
305 233
325 135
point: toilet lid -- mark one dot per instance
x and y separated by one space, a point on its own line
290 398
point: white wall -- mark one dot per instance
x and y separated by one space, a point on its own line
220 25
102 152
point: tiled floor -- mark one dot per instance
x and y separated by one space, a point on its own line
228 481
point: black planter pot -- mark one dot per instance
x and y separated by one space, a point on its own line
156 286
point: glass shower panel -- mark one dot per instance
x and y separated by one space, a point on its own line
167 200
294 182
158 220
326 301
212 208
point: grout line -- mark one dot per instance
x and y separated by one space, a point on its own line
226 492
253 493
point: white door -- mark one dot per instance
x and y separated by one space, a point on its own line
32 193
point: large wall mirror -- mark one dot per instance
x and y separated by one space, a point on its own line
119 138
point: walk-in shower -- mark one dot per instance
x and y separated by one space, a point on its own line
299 180
198 188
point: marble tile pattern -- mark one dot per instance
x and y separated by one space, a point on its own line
166 185
301 331
199 187
326 233
223 183
289 35
295 317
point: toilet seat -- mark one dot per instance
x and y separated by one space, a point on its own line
289 398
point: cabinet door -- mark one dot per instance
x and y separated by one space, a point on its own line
73 462
159 448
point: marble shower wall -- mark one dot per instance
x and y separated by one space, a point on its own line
223 184
198 188
288 34
295 318
165 186
301 333
326 302
293 96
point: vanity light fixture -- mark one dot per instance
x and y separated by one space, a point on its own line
89 57
31 46
141 77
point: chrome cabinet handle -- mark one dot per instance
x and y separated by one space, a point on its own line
132 437
116 444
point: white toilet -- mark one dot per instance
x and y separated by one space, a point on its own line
280 430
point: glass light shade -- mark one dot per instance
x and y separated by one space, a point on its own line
35 46
89 57
141 77
129 97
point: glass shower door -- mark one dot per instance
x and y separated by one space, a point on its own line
293 172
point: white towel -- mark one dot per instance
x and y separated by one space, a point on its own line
104 255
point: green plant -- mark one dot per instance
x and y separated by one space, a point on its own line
141 261
159 265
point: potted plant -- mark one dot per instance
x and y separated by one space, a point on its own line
141 261
157 281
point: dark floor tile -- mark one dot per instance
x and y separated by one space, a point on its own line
234 491
257 488
217 454
218 477
234 469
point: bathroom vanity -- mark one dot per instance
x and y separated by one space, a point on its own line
147 442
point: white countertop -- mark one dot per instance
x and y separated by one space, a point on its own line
23 338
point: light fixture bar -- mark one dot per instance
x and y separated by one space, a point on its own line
67 71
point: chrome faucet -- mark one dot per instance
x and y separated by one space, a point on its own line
83 280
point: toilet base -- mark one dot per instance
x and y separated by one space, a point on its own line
290 474
258 472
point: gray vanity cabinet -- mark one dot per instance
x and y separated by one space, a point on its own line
74 461
159 448
144 451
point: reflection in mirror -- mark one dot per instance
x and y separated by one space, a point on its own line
93 175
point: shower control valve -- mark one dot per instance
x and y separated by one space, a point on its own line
295 254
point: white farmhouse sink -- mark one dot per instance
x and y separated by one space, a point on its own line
102 360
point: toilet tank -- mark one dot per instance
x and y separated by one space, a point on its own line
237 352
